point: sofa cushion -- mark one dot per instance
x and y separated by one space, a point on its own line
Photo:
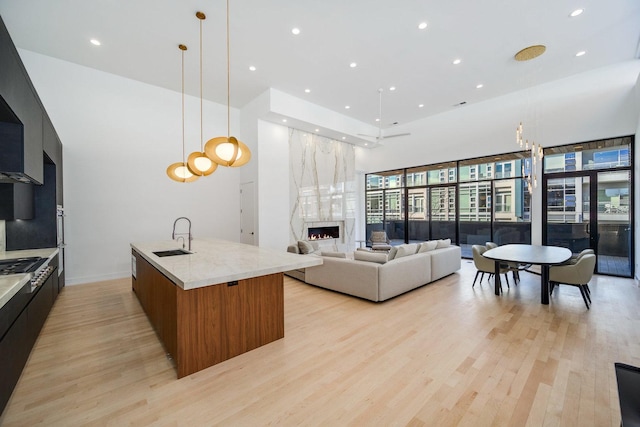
443 243
392 253
333 254
378 257
406 250
428 246
305 247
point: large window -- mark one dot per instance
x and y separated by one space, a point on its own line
588 200
471 202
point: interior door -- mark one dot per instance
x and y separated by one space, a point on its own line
247 214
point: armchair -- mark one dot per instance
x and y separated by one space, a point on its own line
578 274
485 265
379 241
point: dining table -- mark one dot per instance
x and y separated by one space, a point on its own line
542 255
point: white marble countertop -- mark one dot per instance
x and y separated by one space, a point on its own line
216 261
11 284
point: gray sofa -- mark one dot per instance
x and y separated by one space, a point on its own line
380 280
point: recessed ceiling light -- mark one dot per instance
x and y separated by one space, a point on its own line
366 143
582 52
95 42
344 137
317 130
457 61
479 86
392 88
347 107
295 31
307 91
420 105
576 13
284 120
252 68
377 119
353 65
422 25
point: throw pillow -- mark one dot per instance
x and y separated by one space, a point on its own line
305 247
378 257
392 253
406 250
428 246
333 254
444 243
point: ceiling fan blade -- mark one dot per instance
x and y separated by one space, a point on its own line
396 135
368 136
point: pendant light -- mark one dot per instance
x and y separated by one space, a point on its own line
179 171
228 150
198 163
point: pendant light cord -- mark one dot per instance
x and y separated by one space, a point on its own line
228 78
201 140
182 49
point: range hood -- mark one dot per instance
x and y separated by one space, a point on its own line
16 188
14 161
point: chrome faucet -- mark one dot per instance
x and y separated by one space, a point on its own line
180 235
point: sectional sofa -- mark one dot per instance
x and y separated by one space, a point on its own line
380 276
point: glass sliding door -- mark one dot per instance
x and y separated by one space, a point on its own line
614 223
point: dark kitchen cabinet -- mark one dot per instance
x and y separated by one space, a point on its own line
15 347
21 320
17 91
40 307
53 149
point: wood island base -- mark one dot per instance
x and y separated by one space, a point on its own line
205 326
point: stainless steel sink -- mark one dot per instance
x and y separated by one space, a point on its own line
172 252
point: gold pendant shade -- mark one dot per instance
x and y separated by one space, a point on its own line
181 173
227 151
201 165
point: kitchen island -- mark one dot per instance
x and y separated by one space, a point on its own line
221 300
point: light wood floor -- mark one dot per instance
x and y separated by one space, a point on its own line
443 355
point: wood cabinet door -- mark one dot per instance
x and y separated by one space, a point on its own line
254 313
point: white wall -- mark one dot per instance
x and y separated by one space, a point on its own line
273 185
587 106
119 136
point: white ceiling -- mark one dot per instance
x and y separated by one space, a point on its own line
139 41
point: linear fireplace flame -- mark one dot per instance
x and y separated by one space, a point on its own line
320 233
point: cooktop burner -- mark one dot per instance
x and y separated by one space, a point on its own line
20 265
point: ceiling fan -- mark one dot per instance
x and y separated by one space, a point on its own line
381 136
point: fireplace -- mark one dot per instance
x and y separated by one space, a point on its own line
320 233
